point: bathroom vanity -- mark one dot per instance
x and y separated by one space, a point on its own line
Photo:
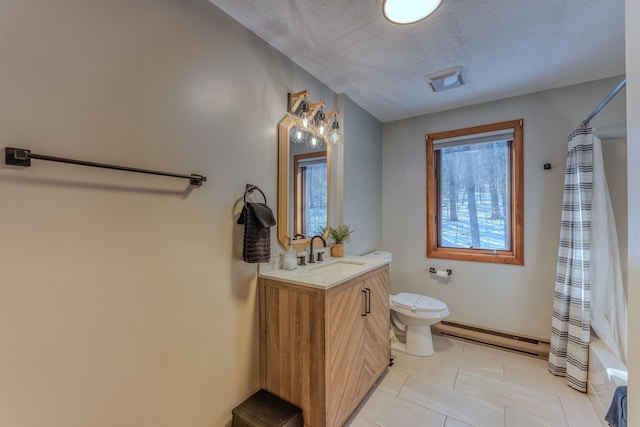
324 335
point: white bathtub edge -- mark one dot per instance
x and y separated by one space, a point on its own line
606 372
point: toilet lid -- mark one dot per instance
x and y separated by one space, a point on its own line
417 302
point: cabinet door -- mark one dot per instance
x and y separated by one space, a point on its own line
376 342
344 348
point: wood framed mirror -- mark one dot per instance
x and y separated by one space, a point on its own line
291 181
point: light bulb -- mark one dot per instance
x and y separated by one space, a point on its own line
335 136
306 120
314 141
321 127
321 123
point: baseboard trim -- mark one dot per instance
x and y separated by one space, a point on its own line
504 340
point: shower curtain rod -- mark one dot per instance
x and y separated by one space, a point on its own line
614 92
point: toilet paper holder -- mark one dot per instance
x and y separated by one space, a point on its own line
434 271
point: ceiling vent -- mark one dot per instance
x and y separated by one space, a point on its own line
445 79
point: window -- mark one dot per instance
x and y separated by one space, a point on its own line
310 193
475 194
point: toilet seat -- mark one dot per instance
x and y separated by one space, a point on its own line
417 302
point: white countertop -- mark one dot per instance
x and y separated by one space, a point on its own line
328 273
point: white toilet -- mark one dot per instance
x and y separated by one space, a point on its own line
412 316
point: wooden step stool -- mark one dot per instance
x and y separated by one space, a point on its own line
264 409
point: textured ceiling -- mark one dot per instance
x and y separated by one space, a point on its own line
507 47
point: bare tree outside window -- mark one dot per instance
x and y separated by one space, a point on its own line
315 208
310 193
473 204
475 194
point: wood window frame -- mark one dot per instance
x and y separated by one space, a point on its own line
513 256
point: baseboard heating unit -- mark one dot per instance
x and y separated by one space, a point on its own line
504 340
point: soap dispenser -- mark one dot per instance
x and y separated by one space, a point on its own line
290 261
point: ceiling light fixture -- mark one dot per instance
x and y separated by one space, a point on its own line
445 79
408 11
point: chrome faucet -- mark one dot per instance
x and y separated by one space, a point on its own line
324 242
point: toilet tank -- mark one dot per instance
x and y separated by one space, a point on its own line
379 254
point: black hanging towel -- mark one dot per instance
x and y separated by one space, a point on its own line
258 220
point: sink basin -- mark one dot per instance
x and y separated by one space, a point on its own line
328 273
337 266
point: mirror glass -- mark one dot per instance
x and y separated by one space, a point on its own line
303 186
309 175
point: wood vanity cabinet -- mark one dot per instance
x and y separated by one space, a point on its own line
323 350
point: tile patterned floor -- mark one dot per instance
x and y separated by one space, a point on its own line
465 384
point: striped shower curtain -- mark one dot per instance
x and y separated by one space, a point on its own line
570 327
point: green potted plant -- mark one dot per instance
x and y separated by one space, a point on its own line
339 235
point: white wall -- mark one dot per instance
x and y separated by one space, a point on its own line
123 297
614 151
510 298
362 178
632 40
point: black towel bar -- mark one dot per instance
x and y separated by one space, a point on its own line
23 156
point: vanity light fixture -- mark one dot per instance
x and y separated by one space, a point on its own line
312 126
408 11
445 79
